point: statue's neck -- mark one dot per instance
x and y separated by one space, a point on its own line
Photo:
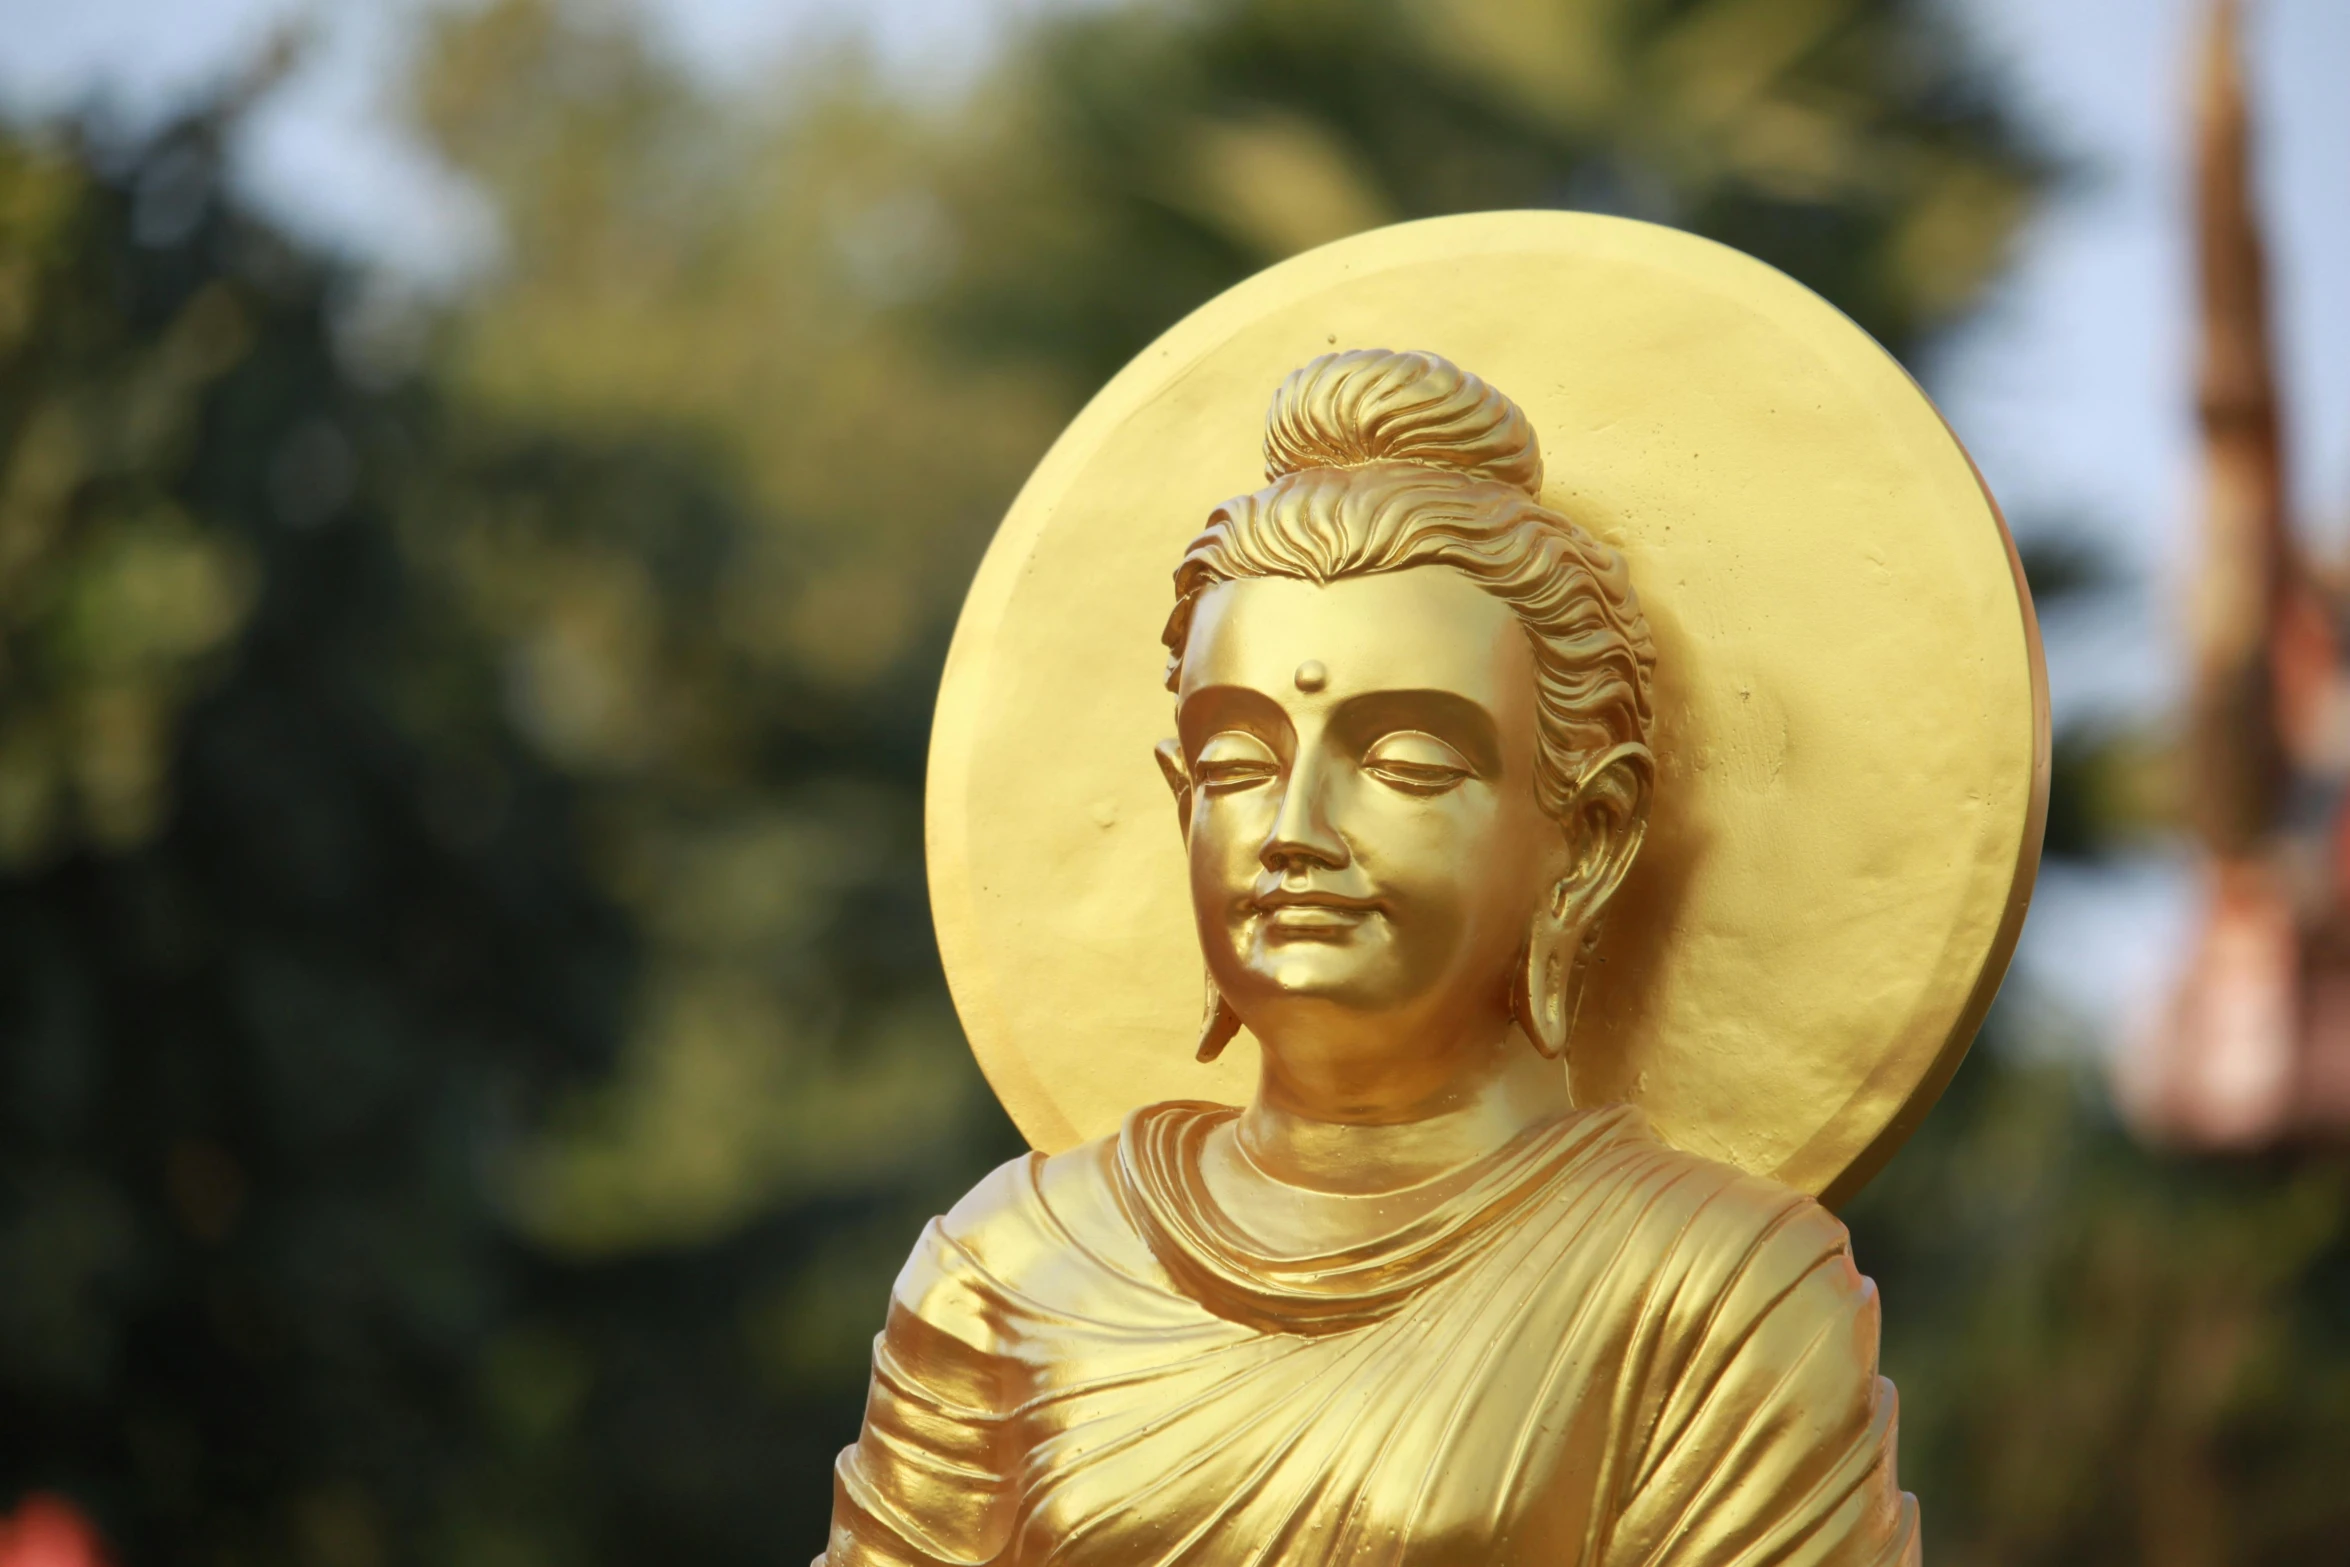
1497 1093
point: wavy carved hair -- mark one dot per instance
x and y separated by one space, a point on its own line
1381 461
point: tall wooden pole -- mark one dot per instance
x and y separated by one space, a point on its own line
2236 753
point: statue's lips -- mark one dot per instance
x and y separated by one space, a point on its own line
1311 913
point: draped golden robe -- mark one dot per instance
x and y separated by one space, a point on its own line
1603 1352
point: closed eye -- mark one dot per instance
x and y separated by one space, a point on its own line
1235 759
1415 762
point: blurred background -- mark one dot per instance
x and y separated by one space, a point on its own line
484 490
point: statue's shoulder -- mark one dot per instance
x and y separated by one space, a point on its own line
975 1264
1028 1200
1715 1210
1730 1251
1028 1228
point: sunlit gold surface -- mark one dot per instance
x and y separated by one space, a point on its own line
1851 724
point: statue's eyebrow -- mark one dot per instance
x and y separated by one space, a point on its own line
1456 720
1207 709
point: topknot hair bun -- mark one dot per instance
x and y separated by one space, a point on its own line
1373 405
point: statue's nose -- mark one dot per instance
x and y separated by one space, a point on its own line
1302 832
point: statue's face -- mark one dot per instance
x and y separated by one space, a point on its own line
1364 832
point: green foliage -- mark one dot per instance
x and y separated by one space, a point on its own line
304 1004
2106 1356
1137 159
273 985
474 1050
114 601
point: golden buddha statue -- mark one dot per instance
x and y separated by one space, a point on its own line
1516 1252
1411 1305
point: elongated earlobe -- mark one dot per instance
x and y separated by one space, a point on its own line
1218 1027
1548 985
1538 992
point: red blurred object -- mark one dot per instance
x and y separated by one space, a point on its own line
2254 1048
49 1531
2218 1073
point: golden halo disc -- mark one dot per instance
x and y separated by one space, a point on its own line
1852 716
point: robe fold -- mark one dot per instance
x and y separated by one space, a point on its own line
1602 1352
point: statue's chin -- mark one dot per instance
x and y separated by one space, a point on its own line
1355 965
1295 987
1297 972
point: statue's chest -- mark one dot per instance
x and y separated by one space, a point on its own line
1439 1434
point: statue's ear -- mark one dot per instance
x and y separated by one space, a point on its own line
1604 831
1178 776
1607 826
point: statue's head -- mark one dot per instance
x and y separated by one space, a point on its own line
1412 714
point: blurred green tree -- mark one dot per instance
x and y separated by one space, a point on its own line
315 890
292 930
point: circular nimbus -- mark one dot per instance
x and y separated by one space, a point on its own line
1851 712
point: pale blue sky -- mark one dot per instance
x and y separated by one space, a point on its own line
2073 387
